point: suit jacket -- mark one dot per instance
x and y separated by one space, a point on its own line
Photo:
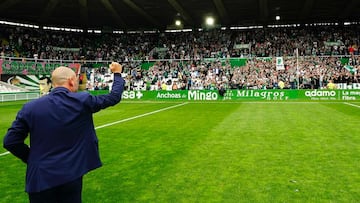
63 143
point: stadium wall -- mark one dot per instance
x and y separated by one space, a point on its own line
242 95
208 95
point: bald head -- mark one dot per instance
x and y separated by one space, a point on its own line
64 77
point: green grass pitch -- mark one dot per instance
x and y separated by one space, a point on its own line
214 152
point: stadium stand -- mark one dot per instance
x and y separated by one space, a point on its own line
312 56
269 42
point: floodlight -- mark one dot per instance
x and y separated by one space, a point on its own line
210 21
177 22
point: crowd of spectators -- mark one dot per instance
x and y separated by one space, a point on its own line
258 73
313 55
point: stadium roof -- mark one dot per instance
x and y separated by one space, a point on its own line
161 14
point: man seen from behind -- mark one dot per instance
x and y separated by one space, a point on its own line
63 143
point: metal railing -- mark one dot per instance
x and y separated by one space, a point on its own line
18 96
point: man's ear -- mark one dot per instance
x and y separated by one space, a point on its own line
71 83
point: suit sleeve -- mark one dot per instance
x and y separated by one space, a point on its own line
15 137
96 103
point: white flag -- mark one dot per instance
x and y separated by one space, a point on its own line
280 63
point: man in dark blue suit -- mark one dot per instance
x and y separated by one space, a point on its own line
63 144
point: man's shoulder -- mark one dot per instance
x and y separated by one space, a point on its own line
80 95
40 102
37 101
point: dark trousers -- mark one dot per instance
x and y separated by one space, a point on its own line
67 193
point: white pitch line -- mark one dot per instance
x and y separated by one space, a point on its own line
128 119
139 116
5 153
357 106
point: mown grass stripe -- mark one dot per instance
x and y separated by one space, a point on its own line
139 116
